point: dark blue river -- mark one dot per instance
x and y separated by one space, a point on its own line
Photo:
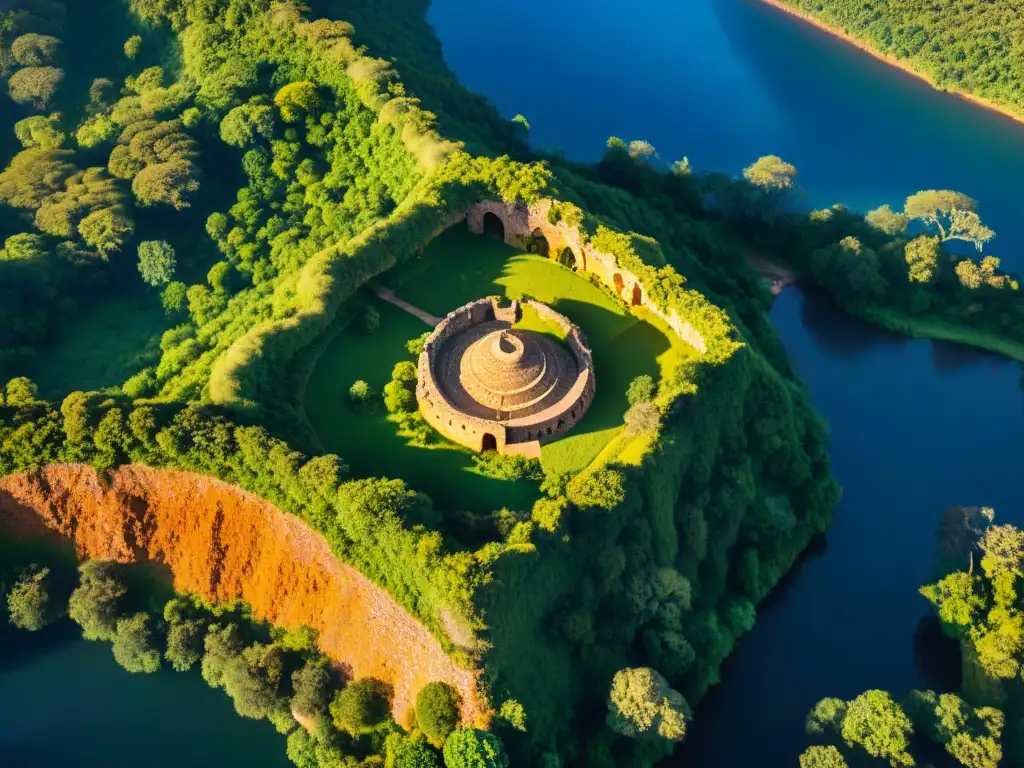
916 426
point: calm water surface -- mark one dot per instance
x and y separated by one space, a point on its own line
916 426
65 702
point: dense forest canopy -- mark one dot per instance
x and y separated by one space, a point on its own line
975 46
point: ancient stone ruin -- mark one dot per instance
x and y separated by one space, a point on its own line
488 385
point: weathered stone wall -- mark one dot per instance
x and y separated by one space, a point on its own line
522 223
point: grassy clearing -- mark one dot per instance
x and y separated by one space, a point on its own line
102 346
457 268
371 444
936 328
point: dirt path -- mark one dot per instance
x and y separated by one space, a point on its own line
389 296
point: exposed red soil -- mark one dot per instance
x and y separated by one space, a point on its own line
225 544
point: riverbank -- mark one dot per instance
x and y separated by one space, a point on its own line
893 61
937 329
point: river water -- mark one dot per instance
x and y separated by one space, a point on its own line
65 702
916 426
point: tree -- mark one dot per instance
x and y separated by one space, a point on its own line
641 390
21 391
135 648
172 183
222 648
359 706
642 150
922 255
252 679
96 130
398 398
405 752
437 711
473 748
94 603
404 372
642 418
642 705
156 262
952 213
39 131
35 50
770 173
185 643
312 687
132 46
886 220
822 757
878 724
513 713
827 715
296 98
29 603
601 489
35 85
243 124
105 230
958 600
360 394
522 123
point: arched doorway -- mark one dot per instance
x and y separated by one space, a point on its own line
493 226
539 244
489 443
638 295
617 282
566 258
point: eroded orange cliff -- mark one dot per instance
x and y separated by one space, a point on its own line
225 544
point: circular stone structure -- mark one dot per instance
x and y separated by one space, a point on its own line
487 385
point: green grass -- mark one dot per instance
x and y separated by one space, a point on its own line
457 268
101 346
927 327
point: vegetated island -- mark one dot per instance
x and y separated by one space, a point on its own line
972 51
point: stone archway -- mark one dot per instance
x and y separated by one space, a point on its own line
618 283
489 442
638 295
539 244
567 258
493 226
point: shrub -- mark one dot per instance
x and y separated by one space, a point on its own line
641 390
473 748
29 603
359 706
398 398
437 711
135 648
360 394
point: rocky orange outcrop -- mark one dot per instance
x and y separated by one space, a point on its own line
225 544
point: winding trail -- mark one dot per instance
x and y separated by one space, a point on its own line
389 296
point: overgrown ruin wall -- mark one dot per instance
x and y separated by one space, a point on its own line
521 223
225 544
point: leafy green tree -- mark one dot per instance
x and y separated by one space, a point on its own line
522 123
951 213
132 46
94 604
96 130
242 125
21 391
359 706
312 687
398 398
296 98
958 599
404 372
642 705
642 418
135 647
922 255
513 713
641 389
886 220
173 183
360 394
473 748
601 489
822 757
437 711
410 753
106 230
253 679
39 131
156 262
878 724
827 715
770 173
30 604
222 647
185 643
174 299
35 85
35 50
